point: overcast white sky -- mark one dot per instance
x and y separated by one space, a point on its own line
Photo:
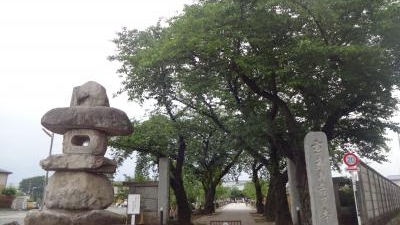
46 48
49 46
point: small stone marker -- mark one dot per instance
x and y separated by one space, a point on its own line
323 206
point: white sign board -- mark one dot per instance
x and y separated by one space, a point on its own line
133 204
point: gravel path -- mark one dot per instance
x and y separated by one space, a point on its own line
234 211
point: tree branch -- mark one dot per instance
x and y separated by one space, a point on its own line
316 21
289 118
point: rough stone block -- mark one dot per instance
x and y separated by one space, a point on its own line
45 217
84 141
99 217
90 93
12 223
79 162
78 191
110 120
61 217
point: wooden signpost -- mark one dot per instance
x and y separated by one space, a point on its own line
133 206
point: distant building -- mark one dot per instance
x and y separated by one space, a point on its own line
235 184
3 178
395 179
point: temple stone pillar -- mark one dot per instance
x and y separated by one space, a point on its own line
163 187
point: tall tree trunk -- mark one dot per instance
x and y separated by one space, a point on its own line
176 181
281 213
278 210
184 211
304 195
257 186
209 206
270 202
277 207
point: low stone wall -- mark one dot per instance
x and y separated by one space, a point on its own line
6 201
395 220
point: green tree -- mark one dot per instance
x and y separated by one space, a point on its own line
221 192
212 154
313 65
122 192
33 187
250 190
235 193
159 136
10 191
256 188
205 94
145 165
193 188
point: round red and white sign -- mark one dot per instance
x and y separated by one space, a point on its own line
350 159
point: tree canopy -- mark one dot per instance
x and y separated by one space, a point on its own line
33 186
330 66
279 69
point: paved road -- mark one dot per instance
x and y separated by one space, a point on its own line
7 216
234 211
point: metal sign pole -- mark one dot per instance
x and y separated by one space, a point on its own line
354 180
161 216
133 219
351 160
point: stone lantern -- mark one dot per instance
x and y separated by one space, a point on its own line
79 191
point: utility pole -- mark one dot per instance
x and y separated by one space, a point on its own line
51 135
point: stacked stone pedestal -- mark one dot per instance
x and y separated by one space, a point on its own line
79 191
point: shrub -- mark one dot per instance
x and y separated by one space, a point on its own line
9 191
346 196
